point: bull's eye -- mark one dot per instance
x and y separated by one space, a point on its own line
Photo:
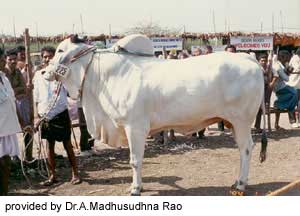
60 51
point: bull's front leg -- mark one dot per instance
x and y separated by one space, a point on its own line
136 136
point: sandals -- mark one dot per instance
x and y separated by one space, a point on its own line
49 182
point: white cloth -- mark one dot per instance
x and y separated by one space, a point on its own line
278 71
295 78
136 44
9 123
9 145
44 93
73 109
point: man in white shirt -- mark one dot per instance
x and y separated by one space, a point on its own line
9 126
286 95
294 82
57 124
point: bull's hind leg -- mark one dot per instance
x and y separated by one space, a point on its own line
136 136
242 135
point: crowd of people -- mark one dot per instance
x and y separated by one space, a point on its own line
281 75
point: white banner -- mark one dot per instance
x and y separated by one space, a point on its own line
158 43
252 43
169 43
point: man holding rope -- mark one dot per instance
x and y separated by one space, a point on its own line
56 124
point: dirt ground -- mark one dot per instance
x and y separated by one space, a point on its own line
185 167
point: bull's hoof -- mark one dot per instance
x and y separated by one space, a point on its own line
236 192
135 194
238 189
135 191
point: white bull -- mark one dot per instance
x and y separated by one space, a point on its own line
132 96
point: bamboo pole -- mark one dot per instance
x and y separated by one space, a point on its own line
37 36
285 188
273 28
214 21
81 22
281 21
14 29
29 72
183 39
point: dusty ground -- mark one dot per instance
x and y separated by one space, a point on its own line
186 167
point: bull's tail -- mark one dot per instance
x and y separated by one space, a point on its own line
264 139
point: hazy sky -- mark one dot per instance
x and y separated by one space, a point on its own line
52 17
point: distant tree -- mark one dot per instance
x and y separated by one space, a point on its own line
150 28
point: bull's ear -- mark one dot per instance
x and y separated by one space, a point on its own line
76 39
